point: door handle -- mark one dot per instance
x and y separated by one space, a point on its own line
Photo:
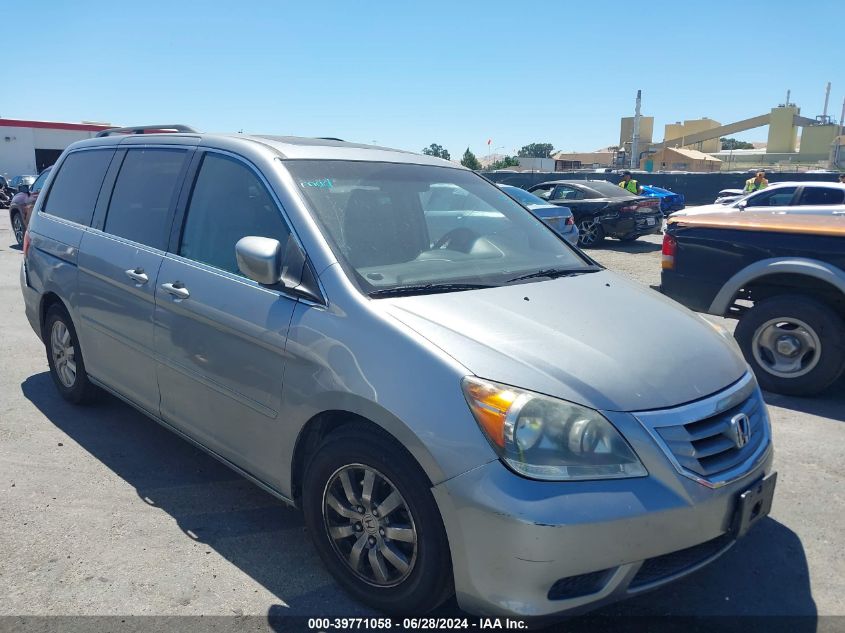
137 275
177 289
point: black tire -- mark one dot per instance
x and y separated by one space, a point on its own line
80 390
810 321
590 232
18 228
428 582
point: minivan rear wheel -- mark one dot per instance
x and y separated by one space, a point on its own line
67 367
371 515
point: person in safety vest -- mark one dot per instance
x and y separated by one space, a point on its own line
757 183
629 184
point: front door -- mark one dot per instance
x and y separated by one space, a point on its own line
220 337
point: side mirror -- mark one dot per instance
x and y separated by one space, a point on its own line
260 259
742 204
267 262
23 188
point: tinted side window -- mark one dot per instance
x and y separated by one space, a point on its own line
779 197
567 193
139 209
228 202
73 194
821 196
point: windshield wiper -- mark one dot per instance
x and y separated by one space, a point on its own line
419 289
554 273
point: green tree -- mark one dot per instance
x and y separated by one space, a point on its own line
536 150
470 161
436 150
732 143
504 163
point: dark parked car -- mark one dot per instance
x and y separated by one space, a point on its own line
16 182
602 209
558 217
21 206
782 276
669 200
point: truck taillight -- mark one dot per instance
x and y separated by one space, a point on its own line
670 247
26 242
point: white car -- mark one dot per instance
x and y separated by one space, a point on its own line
818 198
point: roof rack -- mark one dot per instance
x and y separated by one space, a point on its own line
147 129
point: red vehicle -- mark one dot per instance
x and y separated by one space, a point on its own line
21 205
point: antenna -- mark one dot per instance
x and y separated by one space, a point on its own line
788 92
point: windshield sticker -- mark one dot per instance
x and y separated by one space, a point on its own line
323 183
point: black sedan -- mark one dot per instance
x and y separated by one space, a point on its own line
603 209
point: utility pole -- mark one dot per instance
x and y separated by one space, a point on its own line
635 136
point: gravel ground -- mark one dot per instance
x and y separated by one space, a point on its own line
104 512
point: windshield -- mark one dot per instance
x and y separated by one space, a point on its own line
402 225
523 196
609 190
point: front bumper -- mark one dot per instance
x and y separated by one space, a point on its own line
534 548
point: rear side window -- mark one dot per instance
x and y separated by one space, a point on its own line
143 194
821 196
228 202
73 194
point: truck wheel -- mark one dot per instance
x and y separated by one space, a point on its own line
590 232
795 345
375 523
67 367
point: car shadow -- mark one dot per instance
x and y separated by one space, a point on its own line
212 504
765 573
628 247
828 404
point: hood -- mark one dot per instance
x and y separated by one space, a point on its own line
596 339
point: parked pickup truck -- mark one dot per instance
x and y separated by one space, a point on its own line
782 276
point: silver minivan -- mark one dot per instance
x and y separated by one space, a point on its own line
461 403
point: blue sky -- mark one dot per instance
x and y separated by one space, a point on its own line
407 74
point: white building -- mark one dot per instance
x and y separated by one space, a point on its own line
27 147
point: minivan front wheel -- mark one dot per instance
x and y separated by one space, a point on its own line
375 523
67 367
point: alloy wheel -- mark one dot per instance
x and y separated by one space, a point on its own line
18 228
786 347
588 231
370 525
61 348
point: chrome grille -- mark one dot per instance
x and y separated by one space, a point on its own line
706 447
700 439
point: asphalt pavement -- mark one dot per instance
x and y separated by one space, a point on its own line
103 512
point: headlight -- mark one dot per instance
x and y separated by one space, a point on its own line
546 438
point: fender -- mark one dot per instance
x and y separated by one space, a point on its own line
774 266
